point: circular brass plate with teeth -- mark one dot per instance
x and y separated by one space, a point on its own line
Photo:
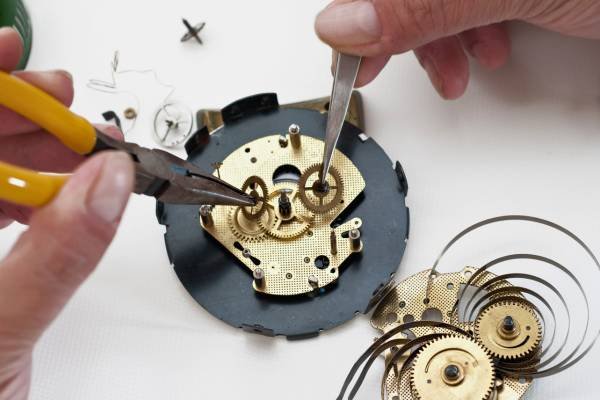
473 375
321 201
522 342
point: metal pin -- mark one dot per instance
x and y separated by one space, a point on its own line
295 136
206 215
285 206
334 249
313 281
217 166
247 253
259 277
355 242
283 141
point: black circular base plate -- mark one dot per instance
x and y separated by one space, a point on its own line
223 286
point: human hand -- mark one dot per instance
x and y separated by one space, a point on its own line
65 239
441 33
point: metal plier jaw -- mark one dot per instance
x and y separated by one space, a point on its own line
172 180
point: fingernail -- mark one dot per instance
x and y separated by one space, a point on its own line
434 75
349 24
64 73
110 130
110 193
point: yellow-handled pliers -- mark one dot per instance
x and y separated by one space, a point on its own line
158 173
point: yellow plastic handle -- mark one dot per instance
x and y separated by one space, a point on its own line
28 188
38 106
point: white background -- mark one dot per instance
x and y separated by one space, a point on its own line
523 140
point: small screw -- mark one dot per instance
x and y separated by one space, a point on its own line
206 215
355 242
283 141
247 253
259 276
313 281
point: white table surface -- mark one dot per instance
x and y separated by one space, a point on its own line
523 140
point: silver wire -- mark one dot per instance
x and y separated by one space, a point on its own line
112 87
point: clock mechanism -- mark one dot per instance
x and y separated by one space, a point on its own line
309 255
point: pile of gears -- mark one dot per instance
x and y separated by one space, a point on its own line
472 334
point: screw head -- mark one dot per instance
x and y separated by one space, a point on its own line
508 324
452 372
283 141
205 210
259 274
294 129
354 234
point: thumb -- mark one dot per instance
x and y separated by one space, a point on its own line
65 241
385 27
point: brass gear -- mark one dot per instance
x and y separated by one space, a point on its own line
289 228
320 202
251 186
520 342
473 373
247 230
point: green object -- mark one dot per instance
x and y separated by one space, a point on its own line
13 13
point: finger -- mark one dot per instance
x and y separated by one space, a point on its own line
16 213
43 152
62 247
58 84
11 49
489 45
447 66
51 157
379 27
4 222
370 68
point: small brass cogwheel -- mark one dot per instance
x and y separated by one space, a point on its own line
316 198
248 230
256 188
510 330
453 367
285 227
